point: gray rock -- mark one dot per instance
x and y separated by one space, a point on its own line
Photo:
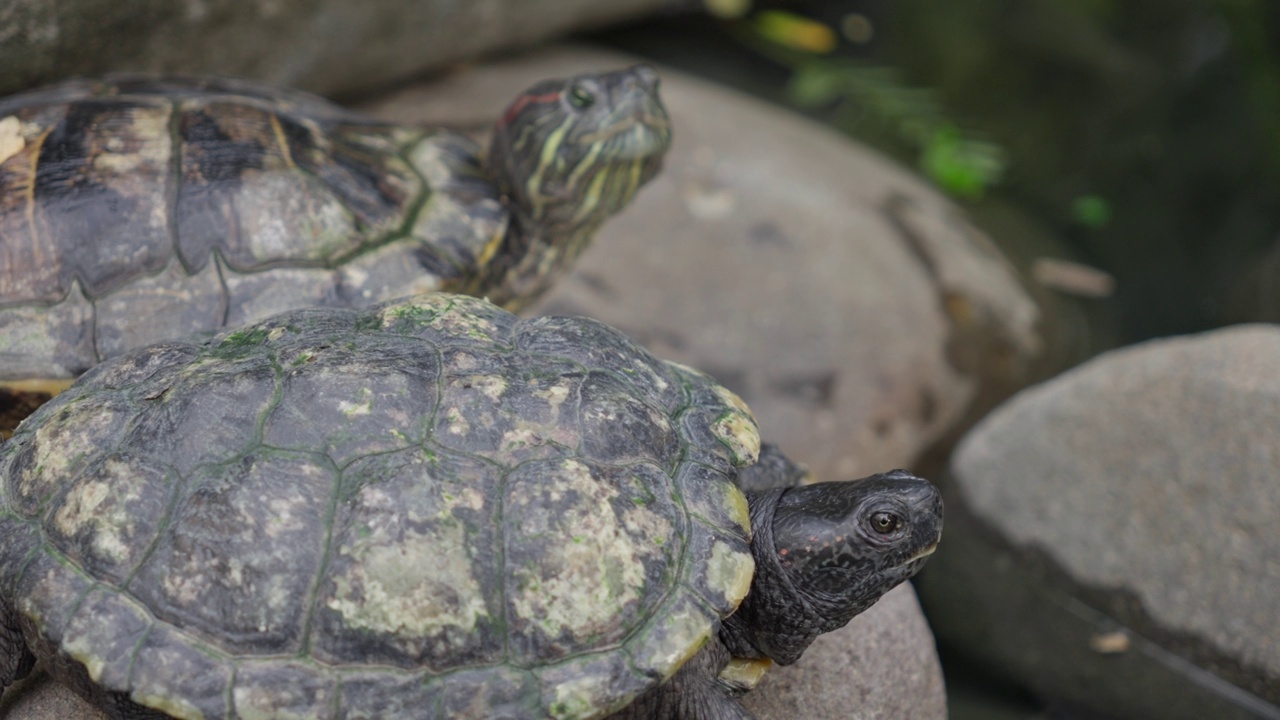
860 672
1111 534
848 302
38 697
329 46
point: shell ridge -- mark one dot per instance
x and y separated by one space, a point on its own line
175 492
326 556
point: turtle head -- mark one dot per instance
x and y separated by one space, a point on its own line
848 543
828 551
569 153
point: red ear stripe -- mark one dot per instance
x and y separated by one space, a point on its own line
524 100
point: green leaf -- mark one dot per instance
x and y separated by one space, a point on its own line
1092 211
815 84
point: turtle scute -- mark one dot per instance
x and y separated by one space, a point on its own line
428 508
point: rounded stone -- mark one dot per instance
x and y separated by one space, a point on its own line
327 46
1111 533
868 655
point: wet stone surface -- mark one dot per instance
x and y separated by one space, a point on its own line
1109 535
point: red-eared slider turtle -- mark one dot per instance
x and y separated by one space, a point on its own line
425 509
135 210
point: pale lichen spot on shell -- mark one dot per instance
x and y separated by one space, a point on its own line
449 314
683 630
555 395
412 579
493 386
11 140
81 648
579 698
355 409
458 424
62 448
263 703
739 433
730 571
735 503
590 566
731 399
150 156
106 510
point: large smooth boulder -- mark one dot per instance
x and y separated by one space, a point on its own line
328 46
1112 535
860 672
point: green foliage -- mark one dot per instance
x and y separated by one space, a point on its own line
962 166
1091 211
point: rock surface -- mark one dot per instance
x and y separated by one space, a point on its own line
860 672
328 46
1111 534
40 698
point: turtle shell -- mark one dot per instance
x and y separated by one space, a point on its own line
430 509
135 210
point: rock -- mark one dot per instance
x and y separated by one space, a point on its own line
1111 535
38 697
849 303
860 672
329 46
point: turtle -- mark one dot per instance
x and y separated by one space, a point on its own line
136 209
429 508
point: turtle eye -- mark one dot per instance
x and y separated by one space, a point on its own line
885 523
581 97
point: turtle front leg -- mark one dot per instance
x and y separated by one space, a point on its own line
693 693
16 659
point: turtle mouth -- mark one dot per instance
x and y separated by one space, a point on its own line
926 552
638 136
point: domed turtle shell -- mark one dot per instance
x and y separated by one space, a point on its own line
135 210
427 509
